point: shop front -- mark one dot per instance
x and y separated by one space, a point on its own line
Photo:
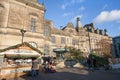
17 60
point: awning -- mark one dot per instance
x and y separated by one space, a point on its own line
60 50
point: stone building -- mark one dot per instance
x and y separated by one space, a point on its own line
116 46
23 20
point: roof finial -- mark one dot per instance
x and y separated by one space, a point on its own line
78 18
43 2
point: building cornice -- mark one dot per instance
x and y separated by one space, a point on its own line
32 4
16 32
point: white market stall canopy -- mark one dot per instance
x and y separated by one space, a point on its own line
24 50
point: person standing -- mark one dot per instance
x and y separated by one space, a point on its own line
94 63
34 67
88 63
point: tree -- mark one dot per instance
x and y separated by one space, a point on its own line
75 53
100 60
104 47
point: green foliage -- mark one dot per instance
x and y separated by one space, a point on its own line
100 60
75 54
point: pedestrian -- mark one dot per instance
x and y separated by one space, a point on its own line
88 63
94 63
46 68
34 67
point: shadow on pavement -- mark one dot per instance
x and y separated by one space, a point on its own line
73 74
61 74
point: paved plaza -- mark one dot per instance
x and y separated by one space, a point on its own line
74 74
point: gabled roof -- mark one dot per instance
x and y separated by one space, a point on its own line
69 25
19 45
57 31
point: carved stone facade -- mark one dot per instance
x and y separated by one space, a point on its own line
28 15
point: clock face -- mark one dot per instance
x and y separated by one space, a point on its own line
33 44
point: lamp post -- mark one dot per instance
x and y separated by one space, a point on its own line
89 40
22 33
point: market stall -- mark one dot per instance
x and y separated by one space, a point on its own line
17 60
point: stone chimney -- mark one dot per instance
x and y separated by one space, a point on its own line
101 32
105 32
79 24
97 31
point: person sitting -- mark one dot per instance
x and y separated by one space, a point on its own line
51 68
48 67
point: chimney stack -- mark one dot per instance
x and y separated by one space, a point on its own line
79 24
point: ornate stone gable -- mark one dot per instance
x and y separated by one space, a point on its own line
82 31
70 29
58 32
70 25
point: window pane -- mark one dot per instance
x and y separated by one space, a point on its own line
46 31
63 40
74 42
33 25
53 39
46 49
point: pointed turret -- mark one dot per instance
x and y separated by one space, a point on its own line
79 24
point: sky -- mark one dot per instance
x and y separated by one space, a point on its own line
105 14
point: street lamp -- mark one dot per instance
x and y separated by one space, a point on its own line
89 40
22 33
